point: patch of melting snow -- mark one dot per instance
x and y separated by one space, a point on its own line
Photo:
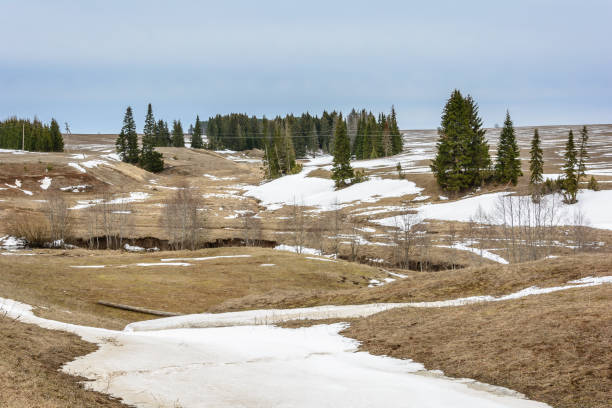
133 248
45 183
164 363
10 242
267 265
481 252
87 266
76 189
77 166
301 250
204 258
321 259
163 264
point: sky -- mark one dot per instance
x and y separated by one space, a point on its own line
83 62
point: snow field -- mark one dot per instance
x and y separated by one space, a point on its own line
304 367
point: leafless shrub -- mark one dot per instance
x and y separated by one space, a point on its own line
297 226
181 219
318 228
337 222
404 237
251 228
110 218
33 228
58 217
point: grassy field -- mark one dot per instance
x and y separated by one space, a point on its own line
442 285
59 291
554 348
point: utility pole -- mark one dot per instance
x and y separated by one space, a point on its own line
23 137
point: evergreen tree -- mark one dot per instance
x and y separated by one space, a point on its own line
570 181
196 136
453 159
478 148
150 160
271 165
341 170
536 164
127 141
57 141
396 137
582 153
178 137
508 166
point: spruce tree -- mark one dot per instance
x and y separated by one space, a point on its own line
196 136
150 160
582 153
508 166
536 164
453 159
178 137
127 141
396 137
341 169
478 148
570 181
57 141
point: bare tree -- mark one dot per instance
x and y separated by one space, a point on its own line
337 221
181 219
297 226
318 230
404 237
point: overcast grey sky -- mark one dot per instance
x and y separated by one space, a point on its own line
84 62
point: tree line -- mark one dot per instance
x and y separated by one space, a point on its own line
31 135
369 138
462 160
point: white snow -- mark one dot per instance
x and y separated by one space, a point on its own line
266 265
17 186
77 166
266 366
593 204
87 266
75 189
163 264
320 193
93 163
204 258
112 156
215 178
300 250
133 248
320 259
482 252
10 242
45 183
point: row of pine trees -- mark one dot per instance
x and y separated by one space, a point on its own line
34 136
127 141
462 161
369 137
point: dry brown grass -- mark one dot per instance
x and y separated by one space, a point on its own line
429 286
70 294
29 369
555 348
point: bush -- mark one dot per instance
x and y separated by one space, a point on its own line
593 185
359 177
33 228
553 185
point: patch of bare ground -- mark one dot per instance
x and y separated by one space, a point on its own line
555 348
29 369
443 285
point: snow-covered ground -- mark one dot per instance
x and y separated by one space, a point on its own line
268 366
593 204
319 192
265 366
